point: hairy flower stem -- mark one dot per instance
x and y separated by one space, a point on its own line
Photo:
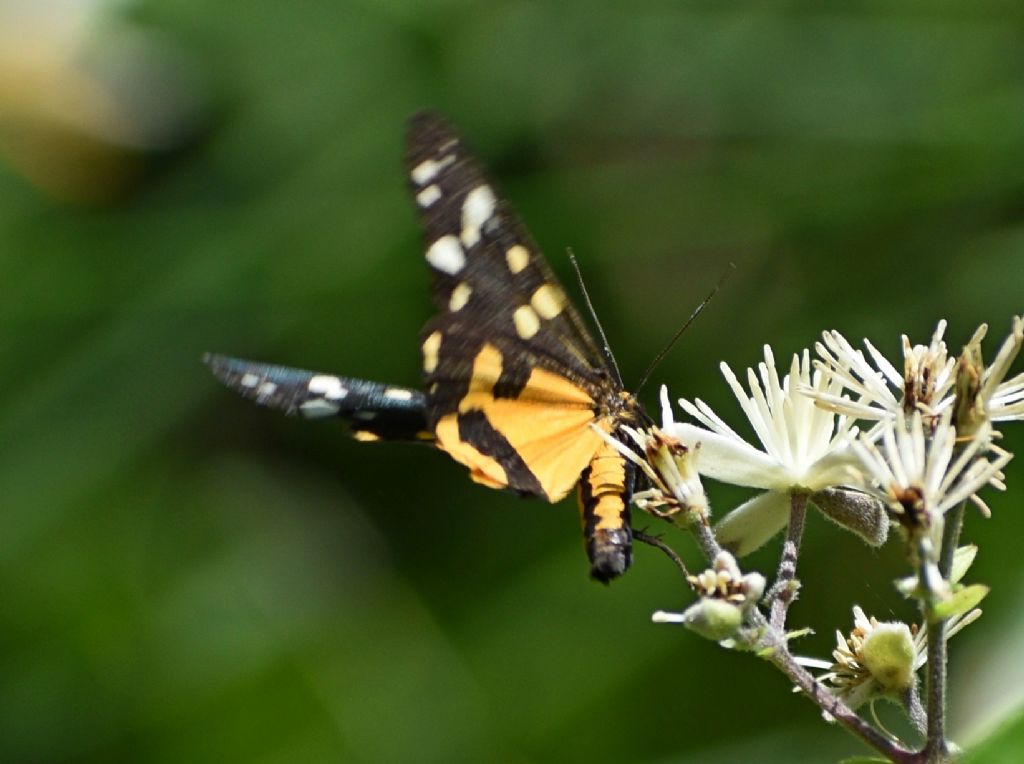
784 590
915 711
705 537
772 645
951 538
937 749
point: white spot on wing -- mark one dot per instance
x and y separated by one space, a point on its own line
477 208
446 255
398 394
249 379
317 408
518 257
265 390
428 195
460 296
526 321
328 386
428 169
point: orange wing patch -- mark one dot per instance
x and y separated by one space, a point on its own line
546 426
483 469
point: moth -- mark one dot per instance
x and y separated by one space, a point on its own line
514 386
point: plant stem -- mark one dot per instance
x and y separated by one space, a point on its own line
784 589
701 530
915 711
951 538
937 749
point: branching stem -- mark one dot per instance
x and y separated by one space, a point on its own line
772 644
774 647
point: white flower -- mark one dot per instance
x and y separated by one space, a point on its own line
928 383
927 376
1007 401
1004 400
803 448
670 466
918 477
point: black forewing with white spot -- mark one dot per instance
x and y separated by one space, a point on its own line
491 283
374 410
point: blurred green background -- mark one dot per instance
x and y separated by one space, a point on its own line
184 577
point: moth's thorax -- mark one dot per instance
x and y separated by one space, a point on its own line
621 406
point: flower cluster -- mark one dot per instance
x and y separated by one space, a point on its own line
725 595
931 443
865 443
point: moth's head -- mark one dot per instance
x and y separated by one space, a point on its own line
629 410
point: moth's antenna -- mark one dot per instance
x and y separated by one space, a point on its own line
697 311
605 347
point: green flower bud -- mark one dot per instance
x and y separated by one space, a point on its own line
713 618
888 653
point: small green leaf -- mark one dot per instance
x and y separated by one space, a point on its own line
960 602
962 560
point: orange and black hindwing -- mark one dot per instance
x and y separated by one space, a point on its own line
514 386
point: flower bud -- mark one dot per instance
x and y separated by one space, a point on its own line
855 511
726 594
888 654
713 618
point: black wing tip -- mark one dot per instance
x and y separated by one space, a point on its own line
428 128
221 364
228 370
426 118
